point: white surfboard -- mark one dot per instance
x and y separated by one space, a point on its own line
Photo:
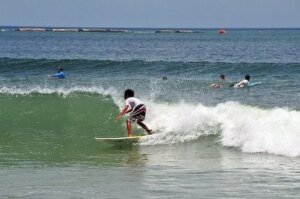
131 139
254 84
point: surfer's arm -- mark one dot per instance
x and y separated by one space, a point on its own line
54 75
215 85
240 84
58 75
123 112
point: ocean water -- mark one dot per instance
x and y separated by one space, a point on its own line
208 143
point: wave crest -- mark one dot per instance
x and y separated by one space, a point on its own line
251 129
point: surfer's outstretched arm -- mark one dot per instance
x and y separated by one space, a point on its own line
60 74
128 123
123 112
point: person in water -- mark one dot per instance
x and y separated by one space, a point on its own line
243 83
60 74
221 83
136 110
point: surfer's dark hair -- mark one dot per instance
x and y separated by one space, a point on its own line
247 77
60 69
128 93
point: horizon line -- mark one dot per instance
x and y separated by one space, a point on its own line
119 27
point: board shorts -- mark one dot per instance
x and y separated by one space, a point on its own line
138 113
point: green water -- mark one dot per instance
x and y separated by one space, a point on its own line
53 129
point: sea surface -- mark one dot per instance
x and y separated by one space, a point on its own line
208 143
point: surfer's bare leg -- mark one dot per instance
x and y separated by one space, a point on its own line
128 123
144 127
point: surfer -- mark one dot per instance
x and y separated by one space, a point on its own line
136 110
221 83
60 74
243 83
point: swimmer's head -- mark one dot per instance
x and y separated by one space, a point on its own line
59 69
247 77
222 77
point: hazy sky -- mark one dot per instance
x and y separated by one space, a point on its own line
151 13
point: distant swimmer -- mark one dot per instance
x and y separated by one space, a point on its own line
243 83
164 78
60 74
136 110
221 83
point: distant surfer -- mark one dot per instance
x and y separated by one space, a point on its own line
164 78
243 83
221 83
136 110
60 74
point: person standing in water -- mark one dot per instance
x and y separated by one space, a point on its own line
60 74
136 110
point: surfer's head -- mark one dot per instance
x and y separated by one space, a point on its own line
247 77
222 77
128 93
59 69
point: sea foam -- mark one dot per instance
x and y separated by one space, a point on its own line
62 91
252 129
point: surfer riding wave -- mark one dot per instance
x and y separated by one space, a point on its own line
136 110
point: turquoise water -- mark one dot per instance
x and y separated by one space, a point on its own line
208 143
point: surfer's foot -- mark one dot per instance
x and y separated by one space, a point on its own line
150 132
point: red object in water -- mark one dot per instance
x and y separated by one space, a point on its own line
222 31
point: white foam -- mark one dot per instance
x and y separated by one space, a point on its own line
251 129
179 122
14 90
